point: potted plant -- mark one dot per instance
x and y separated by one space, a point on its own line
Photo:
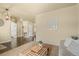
40 43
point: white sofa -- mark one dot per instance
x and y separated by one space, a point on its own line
69 47
63 50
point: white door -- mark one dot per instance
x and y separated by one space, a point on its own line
30 30
13 34
25 28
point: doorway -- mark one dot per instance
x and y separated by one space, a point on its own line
13 34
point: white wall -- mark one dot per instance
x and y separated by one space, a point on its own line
67 25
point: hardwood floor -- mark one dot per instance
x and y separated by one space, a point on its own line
22 40
53 49
8 45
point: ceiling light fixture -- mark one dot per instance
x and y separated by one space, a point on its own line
7 17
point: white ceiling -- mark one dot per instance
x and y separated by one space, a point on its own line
27 11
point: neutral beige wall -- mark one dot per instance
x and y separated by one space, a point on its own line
67 25
5 32
78 17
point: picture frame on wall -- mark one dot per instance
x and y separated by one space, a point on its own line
53 24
